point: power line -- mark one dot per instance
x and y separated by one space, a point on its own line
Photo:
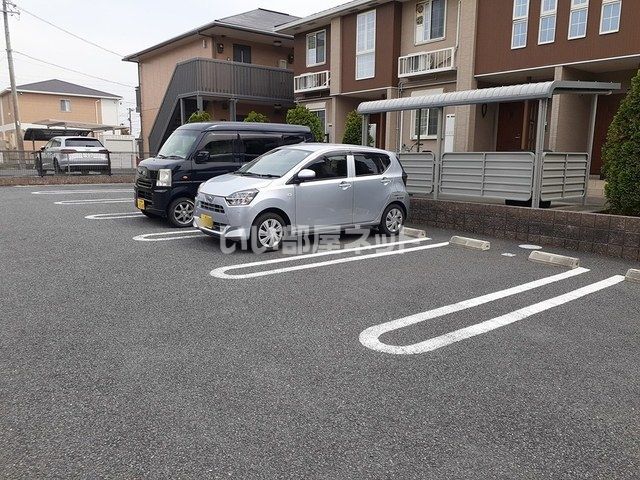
72 70
70 33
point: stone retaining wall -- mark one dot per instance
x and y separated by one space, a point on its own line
611 235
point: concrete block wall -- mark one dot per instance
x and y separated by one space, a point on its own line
611 235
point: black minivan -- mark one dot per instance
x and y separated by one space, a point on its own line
167 184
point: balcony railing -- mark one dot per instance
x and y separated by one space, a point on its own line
310 82
423 63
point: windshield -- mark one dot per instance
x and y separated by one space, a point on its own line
179 144
274 163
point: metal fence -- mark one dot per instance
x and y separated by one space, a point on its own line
419 169
564 176
507 176
27 163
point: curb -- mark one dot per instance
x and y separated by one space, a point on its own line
470 243
553 259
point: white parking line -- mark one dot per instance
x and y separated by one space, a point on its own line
167 236
94 201
114 216
67 192
370 337
222 271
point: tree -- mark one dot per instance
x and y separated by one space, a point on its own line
353 129
301 115
256 117
621 155
199 117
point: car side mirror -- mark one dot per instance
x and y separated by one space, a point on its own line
202 156
305 175
42 149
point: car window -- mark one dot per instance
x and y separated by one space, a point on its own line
179 144
82 142
293 139
329 167
275 163
369 163
220 147
257 144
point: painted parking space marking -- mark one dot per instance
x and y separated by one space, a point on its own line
68 192
370 337
114 216
222 272
168 236
94 201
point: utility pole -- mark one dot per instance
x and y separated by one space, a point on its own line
130 123
12 80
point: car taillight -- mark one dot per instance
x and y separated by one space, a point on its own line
404 177
105 151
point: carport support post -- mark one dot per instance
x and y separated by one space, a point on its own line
200 103
365 130
438 156
233 109
538 166
591 136
183 119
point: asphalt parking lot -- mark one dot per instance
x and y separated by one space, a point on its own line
130 349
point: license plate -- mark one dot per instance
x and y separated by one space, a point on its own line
206 221
140 203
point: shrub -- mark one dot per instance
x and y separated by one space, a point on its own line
621 155
256 117
199 117
353 129
301 115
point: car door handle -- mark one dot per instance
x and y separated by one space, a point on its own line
344 185
385 181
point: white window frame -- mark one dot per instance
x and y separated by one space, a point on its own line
574 9
444 25
548 14
604 4
366 51
425 119
517 20
306 48
65 101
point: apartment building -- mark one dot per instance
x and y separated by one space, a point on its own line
228 68
55 101
371 50
522 41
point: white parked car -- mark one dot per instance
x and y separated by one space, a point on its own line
67 154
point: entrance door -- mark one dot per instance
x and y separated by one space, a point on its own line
510 121
241 53
449 131
607 107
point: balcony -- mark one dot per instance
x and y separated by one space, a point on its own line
311 82
423 63
220 80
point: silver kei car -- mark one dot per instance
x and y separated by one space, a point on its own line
304 188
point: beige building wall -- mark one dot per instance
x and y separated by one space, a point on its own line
155 73
37 106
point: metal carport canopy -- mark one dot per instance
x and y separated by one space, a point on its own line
510 93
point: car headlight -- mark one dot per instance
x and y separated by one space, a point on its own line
241 198
164 177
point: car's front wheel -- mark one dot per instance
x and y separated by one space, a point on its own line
267 232
392 220
180 212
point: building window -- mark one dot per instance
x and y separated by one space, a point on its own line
427 124
65 105
322 115
520 23
366 45
610 16
548 10
316 48
578 19
430 21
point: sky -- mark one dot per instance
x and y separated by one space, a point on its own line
123 26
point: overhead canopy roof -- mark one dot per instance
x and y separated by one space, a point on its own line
511 93
92 127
